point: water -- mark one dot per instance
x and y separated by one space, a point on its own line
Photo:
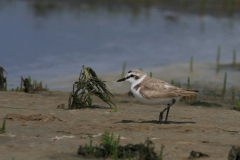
51 45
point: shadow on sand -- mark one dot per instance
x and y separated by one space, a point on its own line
95 107
155 122
99 107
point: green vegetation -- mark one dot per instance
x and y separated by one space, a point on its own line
191 64
179 84
2 130
20 90
224 86
129 155
238 105
124 68
172 82
34 84
218 59
188 87
110 148
89 101
124 155
111 145
160 157
150 74
30 80
238 102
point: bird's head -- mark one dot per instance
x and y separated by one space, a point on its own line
133 76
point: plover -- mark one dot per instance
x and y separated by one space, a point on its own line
154 91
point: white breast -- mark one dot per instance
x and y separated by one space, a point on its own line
136 93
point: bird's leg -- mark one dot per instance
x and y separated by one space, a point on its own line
161 114
167 114
168 108
160 117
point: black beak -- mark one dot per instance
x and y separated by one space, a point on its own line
122 79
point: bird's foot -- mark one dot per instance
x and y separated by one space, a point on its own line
160 116
160 122
166 122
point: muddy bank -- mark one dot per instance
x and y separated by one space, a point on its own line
57 133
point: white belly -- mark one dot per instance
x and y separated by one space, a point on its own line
144 100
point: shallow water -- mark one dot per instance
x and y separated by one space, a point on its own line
54 44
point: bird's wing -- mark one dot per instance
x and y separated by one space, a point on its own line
156 84
152 88
155 94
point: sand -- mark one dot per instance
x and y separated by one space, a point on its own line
36 129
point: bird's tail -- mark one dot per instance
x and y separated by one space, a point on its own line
188 92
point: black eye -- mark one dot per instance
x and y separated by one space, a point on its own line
132 75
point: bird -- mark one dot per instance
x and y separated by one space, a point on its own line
150 90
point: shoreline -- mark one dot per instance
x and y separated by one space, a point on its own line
203 76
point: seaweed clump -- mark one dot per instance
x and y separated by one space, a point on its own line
3 80
28 88
87 85
234 153
194 154
2 130
111 148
